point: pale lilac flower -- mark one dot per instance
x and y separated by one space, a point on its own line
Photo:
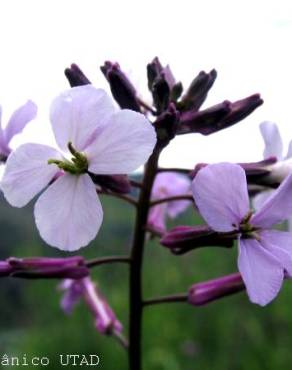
168 184
15 125
75 290
283 166
100 140
265 255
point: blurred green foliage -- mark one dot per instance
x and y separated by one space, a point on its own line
230 334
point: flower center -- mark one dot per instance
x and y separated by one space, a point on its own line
77 165
246 229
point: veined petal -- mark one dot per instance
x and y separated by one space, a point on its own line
279 244
277 208
20 119
272 139
78 114
27 172
261 272
68 214
125 143
220 193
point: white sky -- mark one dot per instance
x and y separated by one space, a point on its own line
248 42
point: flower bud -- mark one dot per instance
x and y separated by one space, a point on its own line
218 117
182 239
72 267
5 268
122 89
208 291
198 91
75 76
162 85
166 125
204 122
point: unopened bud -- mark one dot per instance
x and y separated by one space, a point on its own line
182 239
166 125
122 89
75 76
72 267
5 268
198 91
211 290
219 116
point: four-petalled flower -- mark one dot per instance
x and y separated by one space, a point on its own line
100 139
265 255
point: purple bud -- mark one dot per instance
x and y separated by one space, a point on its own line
208 291
71 267
116 183
241 109
182 239
219 116
204 122
198 91
5 268
75 76
162 85
166 125
156 71
122 89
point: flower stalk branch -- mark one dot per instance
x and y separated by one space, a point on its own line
136 300
172 199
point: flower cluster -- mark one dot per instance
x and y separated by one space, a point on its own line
100 143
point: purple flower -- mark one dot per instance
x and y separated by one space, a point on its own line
100 140
15 125
168 184
265 255
75 290
279 170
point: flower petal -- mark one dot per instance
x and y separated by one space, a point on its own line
259 199
277 208
168 184
125 143
279 244
27 172
260 270
77 115
272 139
220 193
68 214
20 119
157 217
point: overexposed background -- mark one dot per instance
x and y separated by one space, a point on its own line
248 42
